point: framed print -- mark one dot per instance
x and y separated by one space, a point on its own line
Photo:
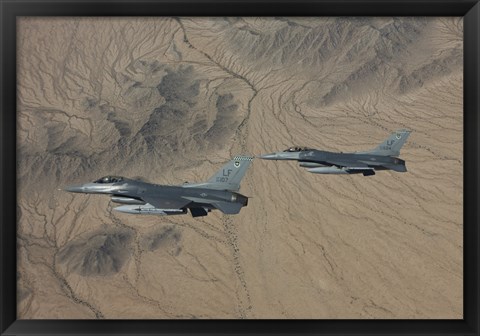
239 167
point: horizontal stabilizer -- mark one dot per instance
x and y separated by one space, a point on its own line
228 208
397 167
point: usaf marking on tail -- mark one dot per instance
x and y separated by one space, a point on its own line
138 197
383 157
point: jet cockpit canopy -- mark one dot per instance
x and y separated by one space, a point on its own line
296 149
109 179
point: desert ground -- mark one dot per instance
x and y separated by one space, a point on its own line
170 100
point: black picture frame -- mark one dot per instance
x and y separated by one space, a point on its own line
10 10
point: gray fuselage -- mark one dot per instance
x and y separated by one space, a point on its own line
139 197
378 162
172 198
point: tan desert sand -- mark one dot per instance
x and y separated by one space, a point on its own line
171 99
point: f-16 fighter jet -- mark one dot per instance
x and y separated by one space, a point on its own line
138 197
383 157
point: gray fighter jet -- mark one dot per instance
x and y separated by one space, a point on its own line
383 157
139 197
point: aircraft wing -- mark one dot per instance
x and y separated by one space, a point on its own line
166 203
353 167
372 163
353 164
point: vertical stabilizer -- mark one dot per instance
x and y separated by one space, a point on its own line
392 145
228 177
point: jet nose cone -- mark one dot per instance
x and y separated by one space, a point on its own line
74 188
271 156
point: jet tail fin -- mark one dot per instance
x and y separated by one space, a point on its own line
392 145
229 176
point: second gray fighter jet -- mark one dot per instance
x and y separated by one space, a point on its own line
138 197
383 157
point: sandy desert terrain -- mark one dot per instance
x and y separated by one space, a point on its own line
171 99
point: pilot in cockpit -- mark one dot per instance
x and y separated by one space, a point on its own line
109 179
295 149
